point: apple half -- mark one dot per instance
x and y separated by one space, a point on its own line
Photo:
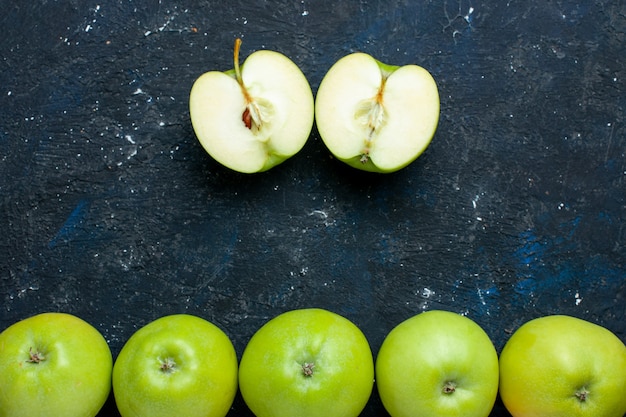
255 116
376 117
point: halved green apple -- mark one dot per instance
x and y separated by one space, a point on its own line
253 117
376 117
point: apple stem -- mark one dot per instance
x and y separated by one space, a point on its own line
168 365
449 387
35 356
252 113
307 369
582 394
236 59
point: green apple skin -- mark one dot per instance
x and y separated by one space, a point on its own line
273 370
217 103
437 364
403 125
53 364
177 365
562 366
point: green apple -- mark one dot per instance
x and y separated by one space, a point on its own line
307 363
556 366
53 364
376 117
437 364
254 117
177 365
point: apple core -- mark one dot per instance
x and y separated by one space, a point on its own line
371 113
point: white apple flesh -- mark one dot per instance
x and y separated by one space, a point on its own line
374 116
252 118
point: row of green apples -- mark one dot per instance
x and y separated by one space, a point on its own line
372 116
312 362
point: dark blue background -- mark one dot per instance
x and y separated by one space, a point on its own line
111 210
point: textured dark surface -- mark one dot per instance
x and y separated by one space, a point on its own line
111 210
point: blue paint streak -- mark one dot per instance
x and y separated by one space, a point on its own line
531 249
548 268
526 286
605 217
572 226
71 223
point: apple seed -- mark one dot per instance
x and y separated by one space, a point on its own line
247 118
307 369
35 356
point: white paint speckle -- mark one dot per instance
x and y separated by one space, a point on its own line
320 213
427 292
475 201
